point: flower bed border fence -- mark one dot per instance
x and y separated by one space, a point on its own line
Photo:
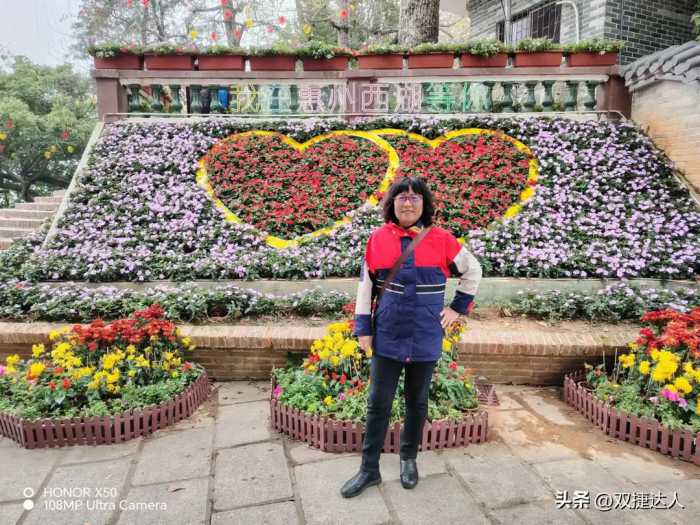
105 430
644 432
332 435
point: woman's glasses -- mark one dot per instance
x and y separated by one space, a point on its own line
405 198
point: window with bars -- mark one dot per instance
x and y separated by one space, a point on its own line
538 22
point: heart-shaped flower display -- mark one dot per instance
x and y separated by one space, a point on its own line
476 175
288 189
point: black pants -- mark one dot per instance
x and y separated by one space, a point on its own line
384 374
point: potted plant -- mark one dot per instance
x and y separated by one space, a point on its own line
484 53
596 52
221 57
276 58
537 52
319 56
116 56
431 55
381 57
169 56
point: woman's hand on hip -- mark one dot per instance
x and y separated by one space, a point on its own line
447 317
365 342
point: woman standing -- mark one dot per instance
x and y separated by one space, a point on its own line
406 330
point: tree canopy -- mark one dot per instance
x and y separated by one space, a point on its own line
46 116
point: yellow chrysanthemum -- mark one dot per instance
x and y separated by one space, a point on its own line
12 360
111 359
342 327
627 361
446 345
683 386
328 400
671 388
324 354
335 360
644 367
38 350
36 369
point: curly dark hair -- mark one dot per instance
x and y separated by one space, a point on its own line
418 185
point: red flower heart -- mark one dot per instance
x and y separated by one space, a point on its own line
289 189
476 177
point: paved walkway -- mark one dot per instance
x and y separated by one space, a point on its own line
225 466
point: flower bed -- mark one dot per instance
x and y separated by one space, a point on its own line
652 397
324 402
606 205
187 303
101 383
645 432
616 302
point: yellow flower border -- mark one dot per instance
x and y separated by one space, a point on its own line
374 136
277 242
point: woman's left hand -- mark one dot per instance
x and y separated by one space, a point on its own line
447 317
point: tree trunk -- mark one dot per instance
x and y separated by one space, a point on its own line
419 21
344 27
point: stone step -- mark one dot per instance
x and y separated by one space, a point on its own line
25 214
20 223
52 199
13 233
37 206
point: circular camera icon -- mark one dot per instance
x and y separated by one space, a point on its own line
28 492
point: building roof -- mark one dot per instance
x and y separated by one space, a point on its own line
679 63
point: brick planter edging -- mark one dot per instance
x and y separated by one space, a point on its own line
644 432
105 430
333 435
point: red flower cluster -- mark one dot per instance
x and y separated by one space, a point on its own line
673 330
474 178
287 193
143 324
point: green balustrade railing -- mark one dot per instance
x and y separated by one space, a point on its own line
420 97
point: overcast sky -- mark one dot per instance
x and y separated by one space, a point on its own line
39 29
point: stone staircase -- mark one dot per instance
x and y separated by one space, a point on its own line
27 217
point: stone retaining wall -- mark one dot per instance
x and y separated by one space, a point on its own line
503 354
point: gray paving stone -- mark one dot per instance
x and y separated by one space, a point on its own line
5 442
86 453
438 499
429 463
243 391
302 453
284 513
579 474
639 465
319 489
9 514
529 438
496 477
174 455
552 409
251 474
243 423
95 489
506 402
29 468
179 502
536 513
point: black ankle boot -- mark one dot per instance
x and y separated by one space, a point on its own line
409 473
360 482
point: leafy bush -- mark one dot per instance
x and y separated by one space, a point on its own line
384 49
535 45
430 47
596 45
484 48
222 49
112 49
165 48
318 49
